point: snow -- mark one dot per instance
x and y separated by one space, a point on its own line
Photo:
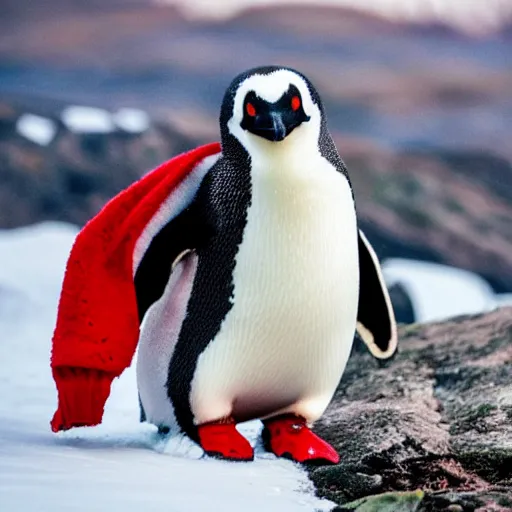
80 119
439 291
471 16
503 299
40 130
121 464
131 120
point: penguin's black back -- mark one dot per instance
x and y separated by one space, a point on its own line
222 203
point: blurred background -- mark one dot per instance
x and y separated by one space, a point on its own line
418 93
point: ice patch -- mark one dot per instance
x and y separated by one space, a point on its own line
131 120
40 130
503 299
81 119
439 291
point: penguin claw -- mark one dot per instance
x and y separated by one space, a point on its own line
289 437
223 441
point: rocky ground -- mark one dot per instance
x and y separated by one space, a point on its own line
432 430
438 205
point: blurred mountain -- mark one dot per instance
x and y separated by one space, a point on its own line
422 114
402 85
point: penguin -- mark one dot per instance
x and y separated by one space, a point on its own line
252 292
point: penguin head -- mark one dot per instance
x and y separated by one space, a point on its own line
271 108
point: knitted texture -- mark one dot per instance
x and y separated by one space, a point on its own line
97 327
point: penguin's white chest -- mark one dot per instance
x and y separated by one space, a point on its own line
286 340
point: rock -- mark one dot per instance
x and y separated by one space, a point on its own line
437 418
387 502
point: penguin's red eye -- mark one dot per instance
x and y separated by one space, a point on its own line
295 103
250 109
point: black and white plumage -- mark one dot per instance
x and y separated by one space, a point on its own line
251 293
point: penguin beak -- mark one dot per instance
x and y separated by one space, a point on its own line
270 126
273 121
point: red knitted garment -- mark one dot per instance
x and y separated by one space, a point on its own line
97 324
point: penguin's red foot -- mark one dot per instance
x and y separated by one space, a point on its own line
223 441
288 436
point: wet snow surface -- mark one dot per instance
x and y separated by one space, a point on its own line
121 464
36 128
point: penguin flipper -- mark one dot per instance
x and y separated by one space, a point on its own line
376 322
